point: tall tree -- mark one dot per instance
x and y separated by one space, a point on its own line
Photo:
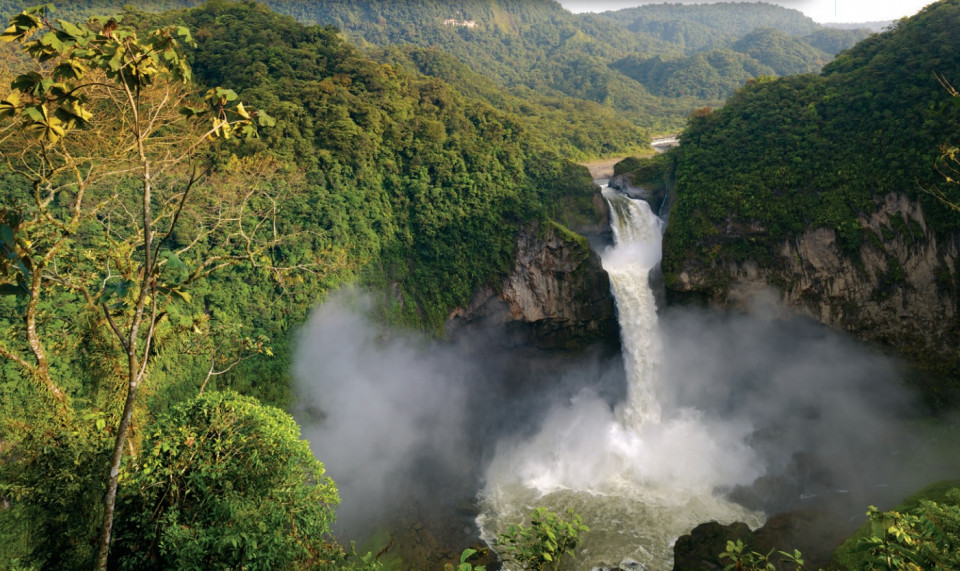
110 138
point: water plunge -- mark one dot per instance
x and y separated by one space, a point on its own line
401 420
639 476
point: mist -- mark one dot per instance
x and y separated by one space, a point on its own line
376 407
829 415
404 424
766 408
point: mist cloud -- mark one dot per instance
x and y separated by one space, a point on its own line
373 404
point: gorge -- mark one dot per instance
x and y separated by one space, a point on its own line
402 274
707 415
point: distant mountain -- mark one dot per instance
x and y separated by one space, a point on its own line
706 75
786 55
877 26
625 73
702 26
833 41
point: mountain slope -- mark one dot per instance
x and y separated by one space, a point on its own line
812 184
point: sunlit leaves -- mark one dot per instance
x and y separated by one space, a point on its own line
22 25
50 128
8 106
548 538
117 52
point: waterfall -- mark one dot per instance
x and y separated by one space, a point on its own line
636 232
639 476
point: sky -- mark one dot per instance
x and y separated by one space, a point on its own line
821 11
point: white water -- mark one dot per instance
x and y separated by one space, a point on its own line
639 476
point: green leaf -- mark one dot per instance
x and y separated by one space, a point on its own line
191 111
467 554
27 82
69 69
226 94
35 113
50 39
76 109
116 288
70 28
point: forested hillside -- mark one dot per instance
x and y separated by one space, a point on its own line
538 46
361 172
616 76
787 156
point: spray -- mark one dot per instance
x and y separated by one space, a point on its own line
638 475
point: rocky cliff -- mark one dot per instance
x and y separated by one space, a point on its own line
900 289
557 294
652 194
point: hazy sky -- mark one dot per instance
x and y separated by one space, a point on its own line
820 10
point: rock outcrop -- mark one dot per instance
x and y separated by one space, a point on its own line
899 290
803 530
654 196
556 296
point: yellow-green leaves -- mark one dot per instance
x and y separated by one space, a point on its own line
50 128
227 120
24 24
50 102
8 106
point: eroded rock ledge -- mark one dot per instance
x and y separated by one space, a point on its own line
556 296
900 289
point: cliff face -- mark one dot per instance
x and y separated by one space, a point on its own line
557 294
900 289
654 196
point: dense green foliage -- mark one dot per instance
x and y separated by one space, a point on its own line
559 68
372 174
89 125
710 75
221 484
574 128
420 185
809 151
542 545
930 518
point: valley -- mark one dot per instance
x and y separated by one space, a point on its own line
358 284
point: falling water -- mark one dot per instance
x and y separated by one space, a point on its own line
638 476
637 235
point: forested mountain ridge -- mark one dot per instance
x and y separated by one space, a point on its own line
814 184
696 28
554 52
549 58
